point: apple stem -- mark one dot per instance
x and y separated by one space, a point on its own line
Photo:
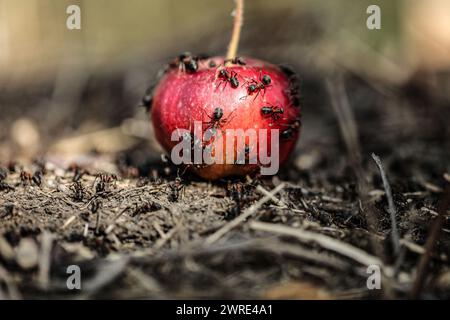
237 26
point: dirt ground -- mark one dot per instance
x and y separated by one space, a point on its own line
136 232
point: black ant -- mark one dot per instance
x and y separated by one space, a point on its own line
272 111
196 144
294 93
248 155
148 206
37 177
102 180
95 205
194 141
239 193
217 120
25 177
293 84
287 134
187 62
226 76
236 191
40 164
237 60
147 99
291 130
78 191
176 189
78 172
256 87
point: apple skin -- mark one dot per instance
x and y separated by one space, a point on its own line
181 97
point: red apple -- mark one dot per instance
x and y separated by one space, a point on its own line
205 90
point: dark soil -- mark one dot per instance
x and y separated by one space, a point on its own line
138 235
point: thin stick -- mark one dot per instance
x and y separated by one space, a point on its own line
326 242
430 244
167 236
391 206
237 25
113 223
97 222
349 131
68 222
272 197
247 213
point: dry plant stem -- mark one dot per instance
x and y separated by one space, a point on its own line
247 213
349 131
237 26
326 242
391 205
430 244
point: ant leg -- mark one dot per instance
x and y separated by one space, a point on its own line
225 85
218 85
264 92
247 81
231 115
257 94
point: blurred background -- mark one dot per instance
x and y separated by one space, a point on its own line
69 93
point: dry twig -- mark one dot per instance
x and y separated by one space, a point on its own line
326 242
247 213
391 205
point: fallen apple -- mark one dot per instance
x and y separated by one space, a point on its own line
240 99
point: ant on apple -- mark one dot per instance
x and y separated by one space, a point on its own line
293 84
226 76
185 62
258 86
248 155
291 130
147 99
194 141
217 120
272 111
294 94
236 60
